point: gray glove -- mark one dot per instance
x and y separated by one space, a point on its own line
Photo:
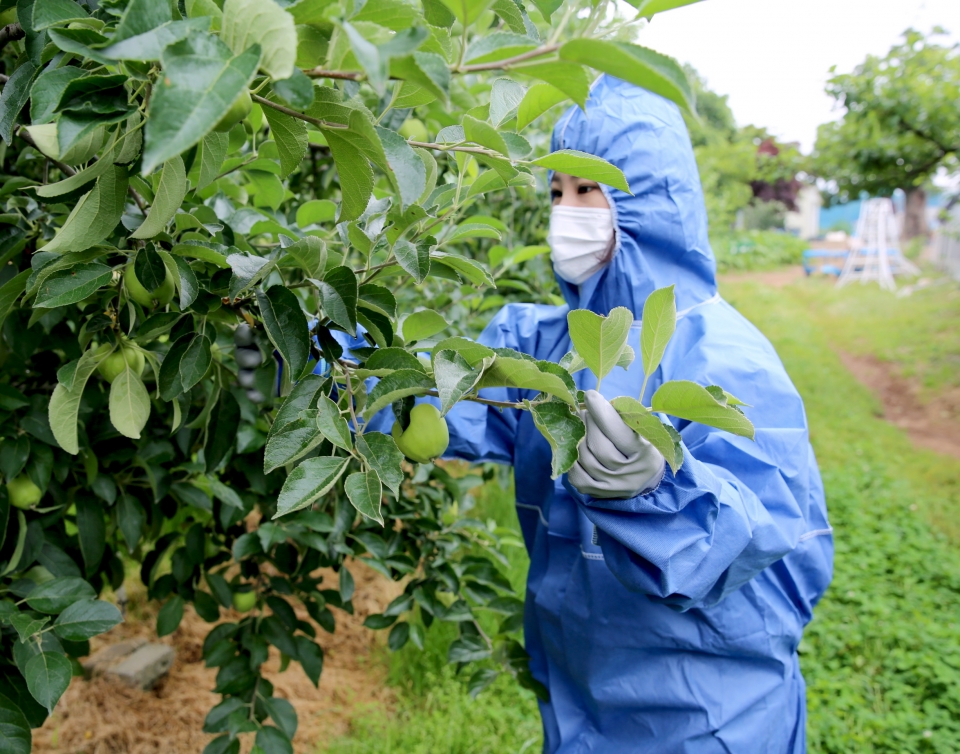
615 462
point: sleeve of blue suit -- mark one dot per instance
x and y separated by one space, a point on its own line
700 535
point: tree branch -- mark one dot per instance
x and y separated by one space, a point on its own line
11 33
294 114
23 134
320 73
545 50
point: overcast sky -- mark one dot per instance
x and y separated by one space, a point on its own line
772 57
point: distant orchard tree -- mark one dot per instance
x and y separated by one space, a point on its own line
901 125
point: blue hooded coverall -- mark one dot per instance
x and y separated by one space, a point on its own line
668 622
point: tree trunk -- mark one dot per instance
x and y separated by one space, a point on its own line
915 214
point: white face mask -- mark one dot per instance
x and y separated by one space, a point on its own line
578 238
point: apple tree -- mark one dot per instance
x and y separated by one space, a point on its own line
228 233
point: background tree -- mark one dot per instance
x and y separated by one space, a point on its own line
901 125
740 167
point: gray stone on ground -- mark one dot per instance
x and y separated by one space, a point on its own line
133 661
144 667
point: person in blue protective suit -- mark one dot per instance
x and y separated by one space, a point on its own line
663 611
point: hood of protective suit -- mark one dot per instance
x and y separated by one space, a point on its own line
662 227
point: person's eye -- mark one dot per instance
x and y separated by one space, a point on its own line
586 189
555 194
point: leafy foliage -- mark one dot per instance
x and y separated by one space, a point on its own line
901 122
201 212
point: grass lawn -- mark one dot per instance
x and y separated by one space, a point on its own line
882 656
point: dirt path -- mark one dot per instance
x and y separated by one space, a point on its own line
104 717
934 424
772 278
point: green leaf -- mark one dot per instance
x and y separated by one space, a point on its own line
15 736
139 17
395 386
195 361
467 11
264 23
484 134
48 90
563 429
286 326
375 65
414 259
10 292
470 269
297 90
338 296
470 350
292 441
310 254
48 674
247 269
423 324
425 69
212 154
583 165
378 299
273 740
170 615
201 81
169 378
65 402
538 99
646 8
310 481
166 201
505 98
383 456
473 230
600 340
332 425
222 429
406 168
55 596
150 44
56 13
638 65
83 177
311 658
95 215
72 285
497 46
353 170
690 401
385 360
85 619
14 97
569 78
26 624
316 211
455 377
525 374
92 532
301 398
131 519
547 7
364 491
129 404
640 419
290 134
659 322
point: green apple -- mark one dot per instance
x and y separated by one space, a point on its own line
414 129
426 437
23 492
39 575
135 290
243 602
111 367
210 547
239 110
